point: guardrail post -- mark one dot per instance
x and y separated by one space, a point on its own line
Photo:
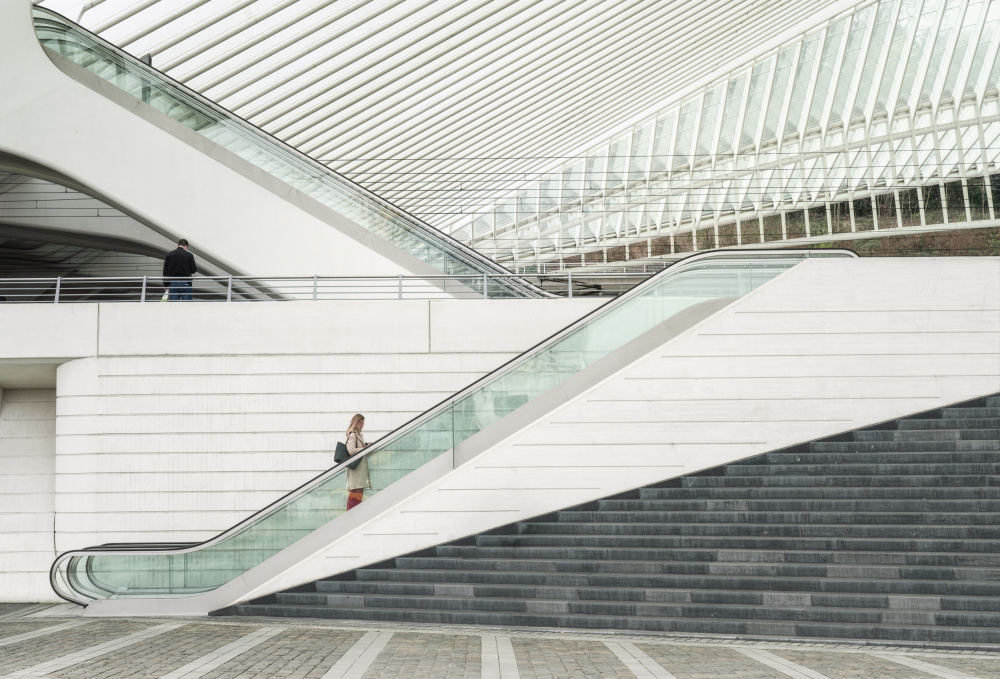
569 283
142 297
486 285
315 286
400 286
58 285
229 290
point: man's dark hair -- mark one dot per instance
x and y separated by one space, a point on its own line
182 242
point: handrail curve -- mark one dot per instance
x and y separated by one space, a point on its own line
294 168
689 264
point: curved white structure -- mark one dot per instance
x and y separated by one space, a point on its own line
423 100
882 117
55 230
81 114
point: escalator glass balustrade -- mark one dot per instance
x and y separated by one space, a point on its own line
272 156
151 571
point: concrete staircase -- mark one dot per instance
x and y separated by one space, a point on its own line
890 532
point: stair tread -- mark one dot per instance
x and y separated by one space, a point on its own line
773 596
598 622
776 609
776 604
713 577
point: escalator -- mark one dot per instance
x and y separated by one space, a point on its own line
497 402
389 229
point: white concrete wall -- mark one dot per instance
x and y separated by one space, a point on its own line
27 478
175 421
829 346
37 204
163 174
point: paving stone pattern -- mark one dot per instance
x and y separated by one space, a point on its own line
984 668
11 629
689 662
32 652
309 649
293 654
433 656
557 659
159 655
851 665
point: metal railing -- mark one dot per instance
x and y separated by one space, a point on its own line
74 290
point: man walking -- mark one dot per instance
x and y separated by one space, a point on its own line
178 267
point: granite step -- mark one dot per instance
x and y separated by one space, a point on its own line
713 626
850 481
636 594
839 524
839 534
822 493
559 574
956 423
821 543
854 457
928 435
887 470
956 507
833 611
653 559
966 413
891 446
724 551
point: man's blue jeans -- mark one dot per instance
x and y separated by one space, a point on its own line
180 291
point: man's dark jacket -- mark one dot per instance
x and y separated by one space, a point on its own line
179 264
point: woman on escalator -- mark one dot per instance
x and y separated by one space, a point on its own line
357 478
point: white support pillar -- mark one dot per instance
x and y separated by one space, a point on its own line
963 74
852 93
897 83
947 58
984 75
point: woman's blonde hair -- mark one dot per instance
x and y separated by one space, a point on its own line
355 421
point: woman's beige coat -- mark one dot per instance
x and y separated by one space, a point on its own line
357 477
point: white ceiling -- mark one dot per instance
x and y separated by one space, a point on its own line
439 104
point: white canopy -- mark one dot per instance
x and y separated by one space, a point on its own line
440 104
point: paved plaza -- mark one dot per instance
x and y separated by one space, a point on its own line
56 641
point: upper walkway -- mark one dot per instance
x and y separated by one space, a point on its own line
67 290
80 113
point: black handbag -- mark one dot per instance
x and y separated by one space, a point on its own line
340 455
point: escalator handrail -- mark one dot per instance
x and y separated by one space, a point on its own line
433 235
377 445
